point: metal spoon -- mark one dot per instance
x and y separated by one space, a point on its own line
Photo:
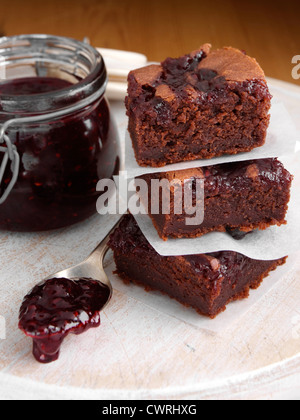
46 346
92 267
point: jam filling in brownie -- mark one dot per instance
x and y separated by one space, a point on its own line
237 196
205 282
202 105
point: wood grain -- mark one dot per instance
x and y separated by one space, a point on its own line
266 29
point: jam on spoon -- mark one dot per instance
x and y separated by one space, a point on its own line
67 302
57 307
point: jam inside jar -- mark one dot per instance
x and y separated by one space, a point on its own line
52 96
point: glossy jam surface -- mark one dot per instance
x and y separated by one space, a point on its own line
57 307
32 86
61 162
238 234
183 71
180 73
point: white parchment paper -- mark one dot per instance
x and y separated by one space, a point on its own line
238 309
281 140
272 243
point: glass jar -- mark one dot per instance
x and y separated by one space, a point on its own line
58 136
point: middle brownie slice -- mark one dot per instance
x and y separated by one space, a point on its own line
241 196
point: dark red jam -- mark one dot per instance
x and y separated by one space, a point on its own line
61 161
237 234
183 71
178 73
58 307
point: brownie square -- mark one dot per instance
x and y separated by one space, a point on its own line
199 106
206 282
238 197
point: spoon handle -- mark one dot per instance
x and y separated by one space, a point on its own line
99 253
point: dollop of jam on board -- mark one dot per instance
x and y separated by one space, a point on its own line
61 161
58 307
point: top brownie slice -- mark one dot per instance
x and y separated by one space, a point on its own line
199 106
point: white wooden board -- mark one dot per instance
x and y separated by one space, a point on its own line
141 352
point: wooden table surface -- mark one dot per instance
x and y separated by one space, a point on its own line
266 29
268 348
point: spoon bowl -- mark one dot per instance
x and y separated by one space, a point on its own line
67 301
91 268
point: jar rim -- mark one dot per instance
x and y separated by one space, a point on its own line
54 49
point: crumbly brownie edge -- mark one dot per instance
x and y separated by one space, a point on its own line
157 146
124 271
275 198
208 291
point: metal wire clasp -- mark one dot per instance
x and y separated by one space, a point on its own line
11 154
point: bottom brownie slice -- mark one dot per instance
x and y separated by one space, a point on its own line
206 282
